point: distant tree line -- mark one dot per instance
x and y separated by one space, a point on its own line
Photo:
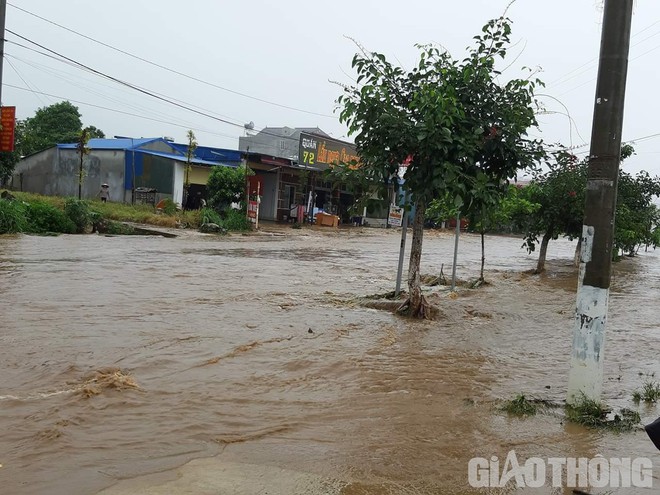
50 125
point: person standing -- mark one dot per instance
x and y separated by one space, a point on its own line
104 193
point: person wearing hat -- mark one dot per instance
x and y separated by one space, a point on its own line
104 193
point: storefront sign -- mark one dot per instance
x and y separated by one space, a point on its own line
321 152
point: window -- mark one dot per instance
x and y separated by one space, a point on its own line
282 145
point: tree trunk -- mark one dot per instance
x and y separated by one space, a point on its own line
540 267
483 257
416 305
578 248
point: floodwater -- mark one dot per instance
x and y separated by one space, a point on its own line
124 356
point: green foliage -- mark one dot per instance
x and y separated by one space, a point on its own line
637 217
226 185
367 186
209 215
235 220
94 132
228 220
560 194
520 406
593 414
451 118
79 213
57 123
650 392
462 133
119 228
169 207
43 218
12 217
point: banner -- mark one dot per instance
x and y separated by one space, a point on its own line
8 122
395 217
253 210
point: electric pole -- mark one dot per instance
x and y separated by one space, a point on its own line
586 373
3 11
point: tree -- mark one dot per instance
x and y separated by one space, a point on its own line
94 132
637 216
450 119
83 150
560 192
497 211
51 125
57 123
190 154
226 185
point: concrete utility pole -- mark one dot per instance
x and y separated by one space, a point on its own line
3 10
586 374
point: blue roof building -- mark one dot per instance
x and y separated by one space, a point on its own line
125 164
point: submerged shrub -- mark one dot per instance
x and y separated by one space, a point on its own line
79 213
236 220
593 414
650 392
520 406
209 215
43 218
12 217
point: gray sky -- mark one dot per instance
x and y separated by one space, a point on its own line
286 52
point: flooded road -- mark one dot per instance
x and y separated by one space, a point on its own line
124 356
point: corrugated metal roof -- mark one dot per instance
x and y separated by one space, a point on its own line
183 159
111 144
211 154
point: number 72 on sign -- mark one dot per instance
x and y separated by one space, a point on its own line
309 157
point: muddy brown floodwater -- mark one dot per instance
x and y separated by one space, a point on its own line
124 356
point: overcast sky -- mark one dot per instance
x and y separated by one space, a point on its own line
287 52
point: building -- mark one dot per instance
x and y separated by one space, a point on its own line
289 165
280 142
125 164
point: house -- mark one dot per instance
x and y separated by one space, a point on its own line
280 142
289 163
125 164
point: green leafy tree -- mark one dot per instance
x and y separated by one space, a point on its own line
94 132
451 119
226 185
57 123
637 217
560 192
497 209
368 188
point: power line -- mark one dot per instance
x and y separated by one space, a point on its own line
86 87
62 98
173 71
23 79
568 76
134 87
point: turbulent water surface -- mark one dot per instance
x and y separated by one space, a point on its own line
123 356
